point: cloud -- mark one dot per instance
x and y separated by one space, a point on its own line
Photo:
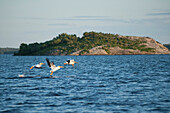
72 18
96 18
77 18
58 24
91 17
36 18
159 14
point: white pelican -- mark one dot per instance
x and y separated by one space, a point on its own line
70 62
52 66
39 66
21 75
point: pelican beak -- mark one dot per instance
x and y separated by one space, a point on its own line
31 67
61 66
65 63
51 73
41 63
75 62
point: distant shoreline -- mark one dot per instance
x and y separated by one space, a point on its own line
8 50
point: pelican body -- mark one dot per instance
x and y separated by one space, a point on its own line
70 62
21 75
39 66
52 66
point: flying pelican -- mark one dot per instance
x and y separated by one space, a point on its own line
70 62
39 66
52 66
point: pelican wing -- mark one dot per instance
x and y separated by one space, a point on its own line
48 62
68 61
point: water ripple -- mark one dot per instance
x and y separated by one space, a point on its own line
127 83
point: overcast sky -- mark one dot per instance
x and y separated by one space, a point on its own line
29 21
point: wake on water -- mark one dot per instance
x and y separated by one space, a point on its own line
41 76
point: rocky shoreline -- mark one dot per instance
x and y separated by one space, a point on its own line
150 43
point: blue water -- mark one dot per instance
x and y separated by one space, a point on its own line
97 84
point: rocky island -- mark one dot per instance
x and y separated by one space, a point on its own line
92 43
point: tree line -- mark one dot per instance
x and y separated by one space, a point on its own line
65 44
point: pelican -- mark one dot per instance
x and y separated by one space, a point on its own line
21 75
52 66
39 66
70 62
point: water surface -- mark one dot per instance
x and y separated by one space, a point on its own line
120 83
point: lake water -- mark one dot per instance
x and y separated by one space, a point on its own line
97 84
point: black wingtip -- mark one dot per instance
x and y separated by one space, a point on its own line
48 62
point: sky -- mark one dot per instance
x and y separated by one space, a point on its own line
29 21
